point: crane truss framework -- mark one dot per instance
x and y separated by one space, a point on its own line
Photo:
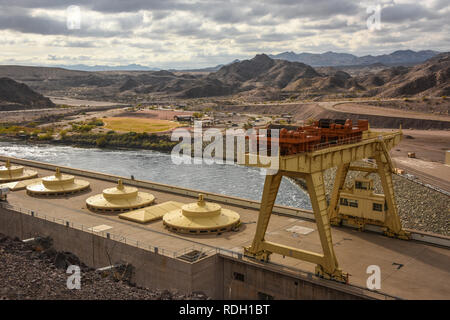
310 166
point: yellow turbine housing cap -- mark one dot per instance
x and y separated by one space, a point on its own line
58 184
119 199
201 217
9 173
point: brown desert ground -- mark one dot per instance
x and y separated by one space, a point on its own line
429 165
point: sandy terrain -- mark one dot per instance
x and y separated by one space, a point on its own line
64 123
79 103
70 114
34 114
430 147
155 114
390 112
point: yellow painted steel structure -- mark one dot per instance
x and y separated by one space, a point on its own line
119 199
20 185
10 173
310 166
201 217
152 213
58 184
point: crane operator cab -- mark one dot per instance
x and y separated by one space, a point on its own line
361 202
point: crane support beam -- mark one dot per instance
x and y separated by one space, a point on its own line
293 252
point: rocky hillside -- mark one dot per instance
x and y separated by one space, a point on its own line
261 72
431 78
18 96
36 271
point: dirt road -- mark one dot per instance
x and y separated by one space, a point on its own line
79 103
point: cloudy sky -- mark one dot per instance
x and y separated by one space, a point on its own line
203 33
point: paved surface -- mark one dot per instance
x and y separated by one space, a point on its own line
424 271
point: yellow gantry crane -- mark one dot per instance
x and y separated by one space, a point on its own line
310 167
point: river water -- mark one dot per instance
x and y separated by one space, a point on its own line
231 180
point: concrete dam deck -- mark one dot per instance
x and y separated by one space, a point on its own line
409 269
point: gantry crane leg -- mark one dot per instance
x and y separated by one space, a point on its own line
261 249
271 186
393 226
339 181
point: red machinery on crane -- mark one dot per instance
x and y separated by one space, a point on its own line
322 134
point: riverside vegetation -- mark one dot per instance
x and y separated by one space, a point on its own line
82 134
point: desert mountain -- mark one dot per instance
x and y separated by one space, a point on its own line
130 67
262 70
261 78
401 57
18 96
431 78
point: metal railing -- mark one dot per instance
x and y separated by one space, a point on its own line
312 147
334 143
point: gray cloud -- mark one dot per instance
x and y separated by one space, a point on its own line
74 43
46 25
406 12
109 6
28 24
221 28
316 9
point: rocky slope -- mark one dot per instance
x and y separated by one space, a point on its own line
431 78
35 271
17 96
